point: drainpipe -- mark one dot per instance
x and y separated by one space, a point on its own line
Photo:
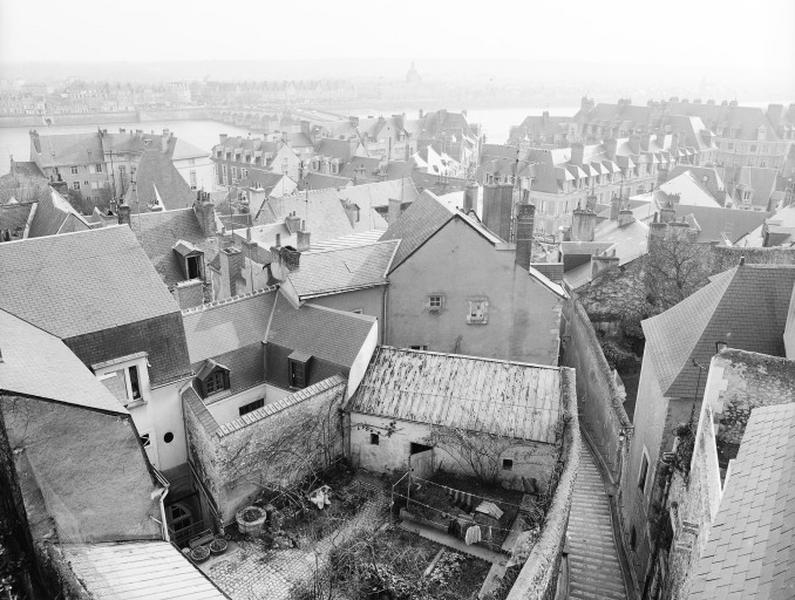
384 304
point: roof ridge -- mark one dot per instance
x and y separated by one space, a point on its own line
348 248
466 356
347 313
226 301
61 235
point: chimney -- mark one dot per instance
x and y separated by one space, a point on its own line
352 212
123 212
603 262
205 213
611 145
583 224
667 213
231 267
189 293
303 240
625 217
615 207
470 197
525 222
497 206
288 259
223 137
292 222
656 229
395 208
577 150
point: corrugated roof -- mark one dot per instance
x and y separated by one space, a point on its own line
751 548
504 398
138 570
37 363
745 307
334 271
82 282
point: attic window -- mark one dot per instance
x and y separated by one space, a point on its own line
213 378
298 369
193 267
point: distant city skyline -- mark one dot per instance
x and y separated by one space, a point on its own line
746 42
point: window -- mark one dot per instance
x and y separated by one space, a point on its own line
193 264
251 406
168 438
135 387
507 464
375 439
124 383
99 167
644 471
358 311
145 440
478 311
217 381
192 178
419 347
434 302
74 170
75 185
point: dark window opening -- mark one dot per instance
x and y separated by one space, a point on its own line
145 441
633 538
416 448
375 439
134 385
194 267
298 370
215 382
507 464
168 438
251 406
644 471
419 347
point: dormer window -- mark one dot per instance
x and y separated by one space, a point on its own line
191 259
213 378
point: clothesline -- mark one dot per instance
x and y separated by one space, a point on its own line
445 487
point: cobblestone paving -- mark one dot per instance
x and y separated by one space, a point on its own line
251 573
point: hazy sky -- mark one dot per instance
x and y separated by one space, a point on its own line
726 33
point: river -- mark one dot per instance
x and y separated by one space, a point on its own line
15 141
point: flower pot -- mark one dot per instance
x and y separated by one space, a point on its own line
218 546
200 554
250 520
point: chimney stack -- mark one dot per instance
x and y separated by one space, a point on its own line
497 206
231 268
525 223
615 207
395 208
292 222
123 213
204 210
583 225
470 197
303 241
189 293
625 217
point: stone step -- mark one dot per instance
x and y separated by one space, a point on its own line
578 593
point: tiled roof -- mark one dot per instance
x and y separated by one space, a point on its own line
82 282
53 214
157 181
745 307
751 548
509 399
334 271
37 363
152 570
159 231
332 335
715 224
364 238
321 181
417 225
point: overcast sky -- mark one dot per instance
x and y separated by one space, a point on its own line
747 35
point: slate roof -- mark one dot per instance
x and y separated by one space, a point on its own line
53 214
184 150
751 548
510 399
340 149
67 149
716 223
14 217
691 192
151 570
707 176
81 282
761 180
157 181
334 271
37 363
781 223
332 335
320 181
746 307
159 231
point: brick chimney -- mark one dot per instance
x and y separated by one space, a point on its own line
292 222
395 208
583 225
625 217
615 207
302 242
204 209
123 213
189 293
497 206
525 223
231 268
470 197
657 229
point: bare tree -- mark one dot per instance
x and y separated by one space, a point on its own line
479 452
675 267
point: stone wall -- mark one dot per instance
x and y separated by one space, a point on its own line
600 397
276 445
538 578
723 257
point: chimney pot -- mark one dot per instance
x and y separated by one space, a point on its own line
123 213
